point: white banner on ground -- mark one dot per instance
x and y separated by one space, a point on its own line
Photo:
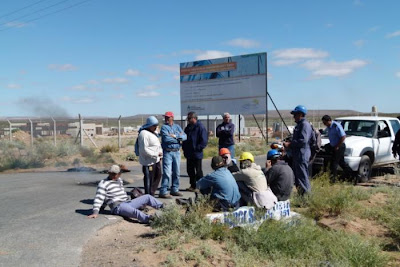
237 85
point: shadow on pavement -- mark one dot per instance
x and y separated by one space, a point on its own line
87 201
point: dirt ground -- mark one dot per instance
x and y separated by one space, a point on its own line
133 244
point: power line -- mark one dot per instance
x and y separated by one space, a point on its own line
15 11
46 15
35 12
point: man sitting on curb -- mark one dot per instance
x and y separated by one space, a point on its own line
250 179
221 185
111 192
279 175
228 162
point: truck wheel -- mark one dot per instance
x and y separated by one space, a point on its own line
364 170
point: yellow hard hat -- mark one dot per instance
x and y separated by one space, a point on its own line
246 155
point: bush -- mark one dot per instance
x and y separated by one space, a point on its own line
328 199
109 149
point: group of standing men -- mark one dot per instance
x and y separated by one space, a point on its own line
193 140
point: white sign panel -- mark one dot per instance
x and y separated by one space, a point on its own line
247 215
236 85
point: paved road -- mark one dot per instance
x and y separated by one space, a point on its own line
43 215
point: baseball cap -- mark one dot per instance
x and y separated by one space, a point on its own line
217 162
169 114
114 169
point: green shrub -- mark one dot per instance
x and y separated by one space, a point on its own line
86 151
109 149
328 199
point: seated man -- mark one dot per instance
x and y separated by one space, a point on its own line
228 162
250 179
279 175
111 192
221 185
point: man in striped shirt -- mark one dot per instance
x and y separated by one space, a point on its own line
111 192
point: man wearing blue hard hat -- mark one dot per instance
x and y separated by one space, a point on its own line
300 146
279 175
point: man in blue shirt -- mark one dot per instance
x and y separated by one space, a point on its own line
337 136
225 132
171 137
222 186
301 152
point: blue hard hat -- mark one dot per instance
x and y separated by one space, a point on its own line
273 154
299 108
151 121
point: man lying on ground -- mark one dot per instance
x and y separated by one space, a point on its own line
111 192
222 186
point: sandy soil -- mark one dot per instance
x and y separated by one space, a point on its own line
132 244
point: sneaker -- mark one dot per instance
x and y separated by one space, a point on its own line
190 189
164 196
176 194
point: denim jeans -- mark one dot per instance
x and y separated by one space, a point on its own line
130 209
171 171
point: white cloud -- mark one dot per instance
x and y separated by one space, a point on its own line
393 34
119 96
170 68
62 67
329 25
82 87
359 43
374 29
320 68
244 43
132 72
92 82
174 93
398 74
117 80
284 62
211 54
13 86
299 54
358 3
79 100
177 77
16 24
147 94
269 75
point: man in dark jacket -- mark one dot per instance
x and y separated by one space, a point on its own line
197 139
300 146
225 132
279 175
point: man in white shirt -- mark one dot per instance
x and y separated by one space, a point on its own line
150 154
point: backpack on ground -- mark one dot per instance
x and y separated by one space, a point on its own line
315 143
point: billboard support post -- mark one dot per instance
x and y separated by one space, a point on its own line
266 100
239 127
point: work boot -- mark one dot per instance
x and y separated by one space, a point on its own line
166 196
176 194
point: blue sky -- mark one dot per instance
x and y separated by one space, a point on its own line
111 58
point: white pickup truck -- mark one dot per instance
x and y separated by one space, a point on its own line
369 142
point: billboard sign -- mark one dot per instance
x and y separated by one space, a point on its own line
236 84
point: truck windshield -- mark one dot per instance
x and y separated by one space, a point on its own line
359 127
